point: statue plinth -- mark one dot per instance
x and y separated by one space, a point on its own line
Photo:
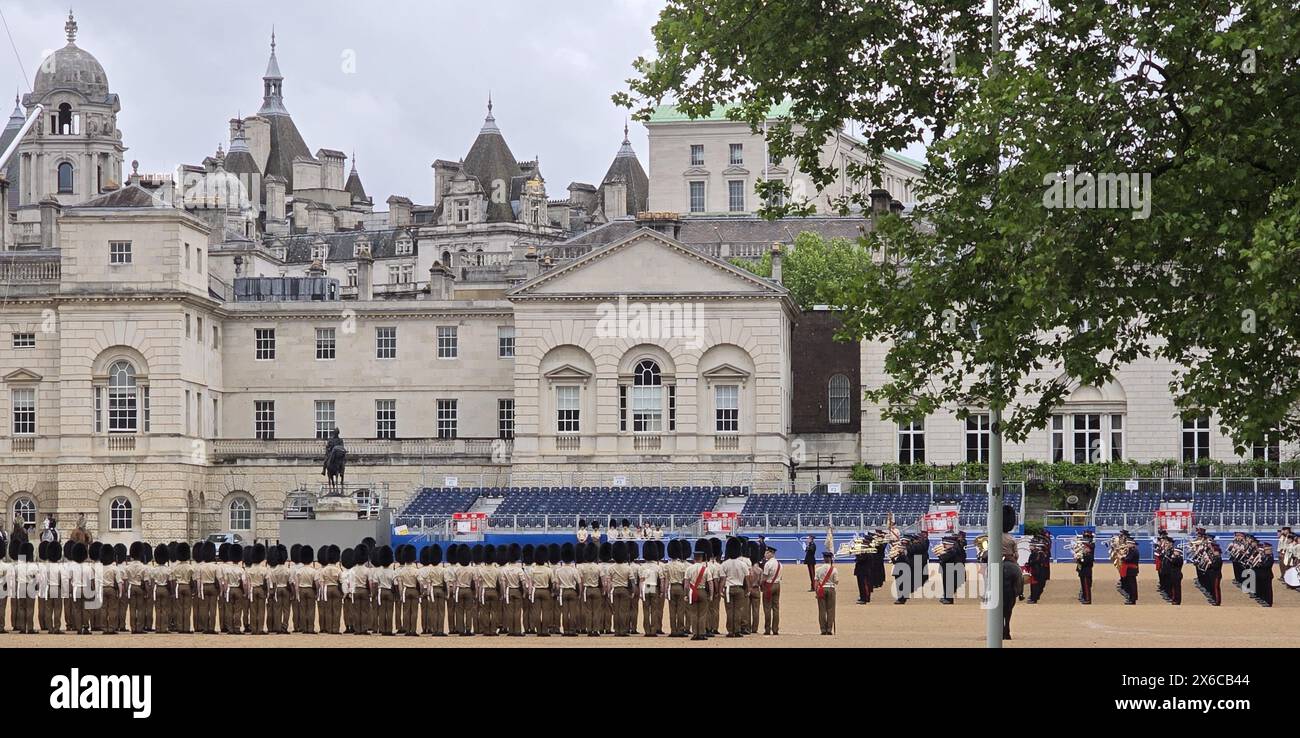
336 508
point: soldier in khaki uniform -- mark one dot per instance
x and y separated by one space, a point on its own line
825 580
489 600
568 604
160 589
408 592
771 585
735 571
49 584
515 591
461 590
634 599
137 596
698 591
650 578
385 591
674 576
256 574
182 582
233 591
589 582
207 575
108 587
278 597
433 592
753 557
719 586
330 596
528 558
620 589
303 583
78 587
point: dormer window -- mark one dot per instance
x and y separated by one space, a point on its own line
280 252
404 246
318 253
462 211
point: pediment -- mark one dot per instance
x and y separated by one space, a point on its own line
696 172
725 373
732 171
647 263
567 373
20 376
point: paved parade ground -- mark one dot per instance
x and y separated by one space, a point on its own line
1057 621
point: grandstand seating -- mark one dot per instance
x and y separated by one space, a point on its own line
438 503
528 507
1234 504
860 510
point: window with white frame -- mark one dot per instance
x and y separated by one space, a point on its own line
264 419
324 419
123 398
1058 439
1116 437
697 155
386 419
120 516
119 252
647 398
325 344
1196 438
394 273
24 411
568 410
737 154
977 439
736 195
1087 439
726 408
386 342
462 211
911 442
447 418
404 247
506 342
505 419
696 190
24 340
25 512
839 404
264 343
241 514
1269 450
406 274
318 252
448 346
352 276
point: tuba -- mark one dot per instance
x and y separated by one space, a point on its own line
982 548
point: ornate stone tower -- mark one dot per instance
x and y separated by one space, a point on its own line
75 150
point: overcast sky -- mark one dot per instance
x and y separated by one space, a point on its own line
419 91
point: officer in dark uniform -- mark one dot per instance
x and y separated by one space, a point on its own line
862 572
1040 567
948 567
1173 571
810 560
1084 558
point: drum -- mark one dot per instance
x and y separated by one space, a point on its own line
1022 551
1292 577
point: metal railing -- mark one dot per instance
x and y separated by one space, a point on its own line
497 449
26 267
668 525
1221 513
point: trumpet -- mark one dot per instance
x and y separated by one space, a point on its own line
861 545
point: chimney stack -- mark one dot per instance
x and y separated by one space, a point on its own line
895 207
442 284
365 273
776 262
879 203
50 211
399 211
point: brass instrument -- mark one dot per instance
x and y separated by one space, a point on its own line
1077 547
862 545
981 546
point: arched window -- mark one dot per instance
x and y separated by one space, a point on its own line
25 511
839 404
241 514
64 127
647 398
122 397
65 178
446 259
119 514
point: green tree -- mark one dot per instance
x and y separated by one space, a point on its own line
813 268
999 278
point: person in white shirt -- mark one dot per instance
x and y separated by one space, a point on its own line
771 583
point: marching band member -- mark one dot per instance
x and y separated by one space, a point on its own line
1128 568
1084 558
1214 575
698 586
948 556
754 558
1039 566
810 560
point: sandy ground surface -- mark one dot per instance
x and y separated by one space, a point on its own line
1056 621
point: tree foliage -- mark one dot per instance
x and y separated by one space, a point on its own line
995 290
814 267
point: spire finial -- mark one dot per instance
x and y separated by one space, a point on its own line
272 39
489 103
71 27
354 161
625 138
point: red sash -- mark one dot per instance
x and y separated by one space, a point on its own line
821 585
695 586
767 586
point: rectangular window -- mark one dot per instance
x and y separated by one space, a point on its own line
324 419
24 411
1269 450
737 154
911 442
99 409
198 414
189 412
119 252
394 273
462 211
446 418
407 274
188 331
198 334
264 339
697 155
325 344
187 256
447 342
567 410
1117 437
726 403
385 343
977 439
506 342
144 408
264 420
199 253
1058 439
1087 439
647 409
506 419
1196 438
697 197
352 276
386 419
216 337
122 409
622 407
672 407
24 340
736 195
216 418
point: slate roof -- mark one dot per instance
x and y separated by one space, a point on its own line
736 230
628 168
131 196
383 244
